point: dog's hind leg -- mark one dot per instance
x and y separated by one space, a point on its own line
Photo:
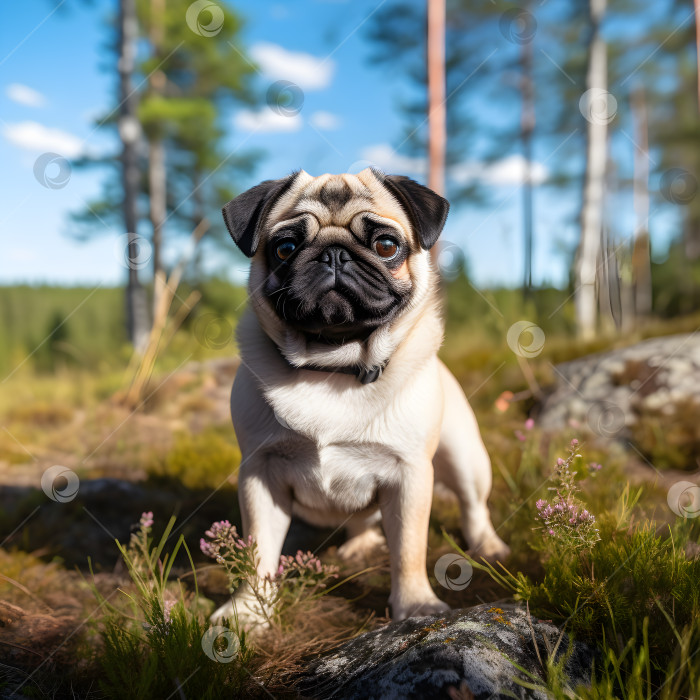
462 464
364 537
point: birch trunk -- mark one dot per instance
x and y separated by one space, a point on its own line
527 127
594 179
129 133
156 151
641 257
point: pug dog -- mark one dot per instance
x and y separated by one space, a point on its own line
344 414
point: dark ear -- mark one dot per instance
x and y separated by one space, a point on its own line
244 214
426 209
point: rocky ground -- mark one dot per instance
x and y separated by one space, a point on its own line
127 462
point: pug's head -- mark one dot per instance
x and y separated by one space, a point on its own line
337 256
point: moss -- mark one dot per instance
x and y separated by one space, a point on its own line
204 460
669 437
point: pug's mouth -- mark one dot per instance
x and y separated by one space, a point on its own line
337 318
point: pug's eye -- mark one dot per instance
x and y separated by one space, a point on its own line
386 248
285 249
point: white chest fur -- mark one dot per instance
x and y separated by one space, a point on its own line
328 437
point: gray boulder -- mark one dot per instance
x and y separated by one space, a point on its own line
472 653
606 391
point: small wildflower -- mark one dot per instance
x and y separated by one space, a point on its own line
565 519
296 577
520 436
503 401
146 519
529 424
167 610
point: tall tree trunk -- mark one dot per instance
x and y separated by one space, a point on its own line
594 179
697 43
641 257
157 204
129 133
527 127
156 150
437 108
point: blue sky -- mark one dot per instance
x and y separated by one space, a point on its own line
54 81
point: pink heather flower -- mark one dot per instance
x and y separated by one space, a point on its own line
529 424
540 504
594 466
574 442
146 519
551 532
560 462
520 436
167 609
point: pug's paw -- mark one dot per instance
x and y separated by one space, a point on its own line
357 549
247 611
492 549
418 607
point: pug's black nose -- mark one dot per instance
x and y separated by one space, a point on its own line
335 256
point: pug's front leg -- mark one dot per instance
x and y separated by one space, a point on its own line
266 511
405 508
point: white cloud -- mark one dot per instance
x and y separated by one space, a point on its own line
265 121
25 95
326 121
302 69
33 136
384 157
507 171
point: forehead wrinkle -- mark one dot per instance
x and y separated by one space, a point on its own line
327 216
369 195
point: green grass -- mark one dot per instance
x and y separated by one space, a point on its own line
634 595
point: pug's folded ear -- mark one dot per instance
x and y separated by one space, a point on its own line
426 209
244 215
